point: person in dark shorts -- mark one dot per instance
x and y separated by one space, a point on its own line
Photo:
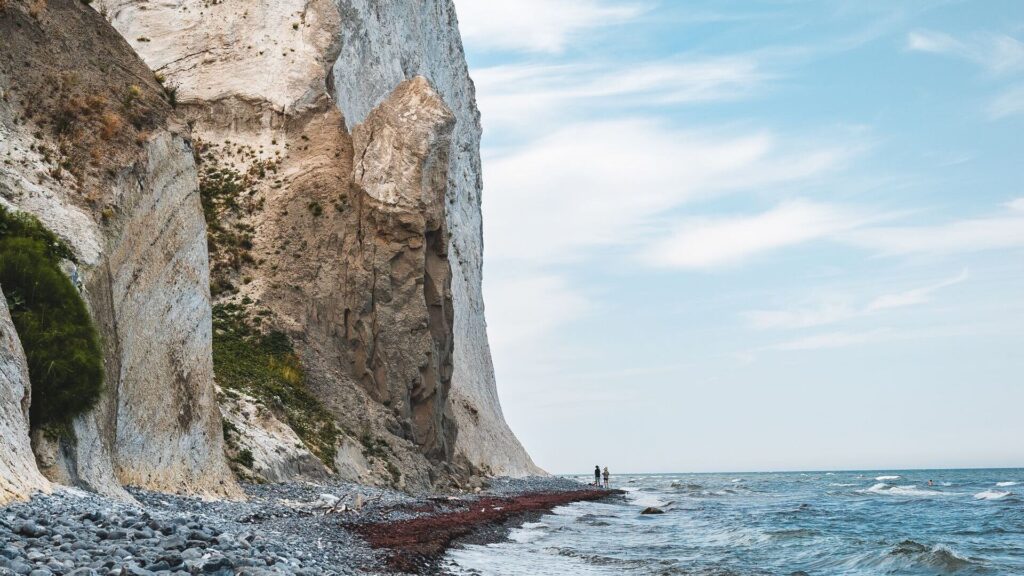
597 475
606 475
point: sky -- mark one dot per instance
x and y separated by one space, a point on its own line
754 236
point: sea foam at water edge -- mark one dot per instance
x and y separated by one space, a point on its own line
1005 484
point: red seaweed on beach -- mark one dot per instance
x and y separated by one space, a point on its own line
417 543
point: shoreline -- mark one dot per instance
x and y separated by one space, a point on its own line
328 528
417 545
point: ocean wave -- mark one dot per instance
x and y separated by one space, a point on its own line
645 500
1005 484
914 554
992 495
907 490
529 532
885 478
793 533
841 485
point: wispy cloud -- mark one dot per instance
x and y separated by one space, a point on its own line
914 296
839 339
1009 103
525 308
537 25
509 94
997 53
1000 231
715 242
606 183
841 308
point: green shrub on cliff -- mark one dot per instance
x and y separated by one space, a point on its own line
65 361
265 366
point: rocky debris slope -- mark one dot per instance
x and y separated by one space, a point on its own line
89 145
379 290
19 477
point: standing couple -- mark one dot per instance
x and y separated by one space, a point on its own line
598 474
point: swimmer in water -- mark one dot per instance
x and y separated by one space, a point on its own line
930 483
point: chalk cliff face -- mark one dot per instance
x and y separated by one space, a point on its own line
365 232
19 477
89 147
314 162
383 44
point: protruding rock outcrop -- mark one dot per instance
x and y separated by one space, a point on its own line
92 149
382 45
19 477
398 316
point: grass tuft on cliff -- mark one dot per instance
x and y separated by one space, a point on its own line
65 360
265 366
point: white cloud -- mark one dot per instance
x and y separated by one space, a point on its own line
827 312
1008 103
934 42
530 95
523 309
602 184
997 232
724 241
838 308
915 296
840 339
536 25
997 53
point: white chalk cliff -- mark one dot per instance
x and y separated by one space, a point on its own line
357 231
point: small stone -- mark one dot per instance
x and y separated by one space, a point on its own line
652 510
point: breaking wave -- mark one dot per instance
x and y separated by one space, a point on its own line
908 490
992 495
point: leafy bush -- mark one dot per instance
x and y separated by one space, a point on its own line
266 367
65 361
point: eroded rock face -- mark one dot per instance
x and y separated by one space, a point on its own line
19 477
366 250
94 153
266 447
382 45
398 318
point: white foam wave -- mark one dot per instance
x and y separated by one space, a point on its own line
992 495
529 532
1005 484
645 500
885 478
841 485
906 490
737 480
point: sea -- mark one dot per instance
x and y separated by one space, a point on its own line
813 523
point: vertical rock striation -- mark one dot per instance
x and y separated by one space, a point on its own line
19 477
93 151
399 314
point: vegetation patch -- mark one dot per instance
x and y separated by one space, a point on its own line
264 365
65 360
229 196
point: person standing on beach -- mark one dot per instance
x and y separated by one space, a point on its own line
606 485
597 475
